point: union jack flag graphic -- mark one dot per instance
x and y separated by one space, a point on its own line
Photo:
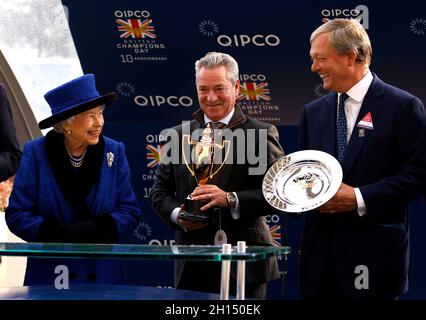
135 28
276 234
253 91
153 154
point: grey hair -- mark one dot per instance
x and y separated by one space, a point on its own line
215 59
59 127
347 35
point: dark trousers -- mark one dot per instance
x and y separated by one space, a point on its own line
328 288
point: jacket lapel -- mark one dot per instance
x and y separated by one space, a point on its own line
226 170
236 121
372 104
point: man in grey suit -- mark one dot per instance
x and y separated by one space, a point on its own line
233 196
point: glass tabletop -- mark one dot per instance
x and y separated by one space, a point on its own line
135 251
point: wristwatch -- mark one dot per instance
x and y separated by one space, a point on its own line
232 199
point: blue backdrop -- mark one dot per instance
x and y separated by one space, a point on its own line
145 50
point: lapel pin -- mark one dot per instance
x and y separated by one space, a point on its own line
110 158
366 122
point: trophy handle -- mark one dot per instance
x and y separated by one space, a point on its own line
184 153
226 156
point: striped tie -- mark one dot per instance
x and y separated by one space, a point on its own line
217 125
342 131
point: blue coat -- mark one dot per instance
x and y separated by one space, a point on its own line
37 196
388 164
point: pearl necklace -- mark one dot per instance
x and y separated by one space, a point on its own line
76 162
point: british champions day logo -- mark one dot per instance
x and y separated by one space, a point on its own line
135 28
276 234
138 40
154 152
253 91
153 155
274 225
154 148
360 13
255 97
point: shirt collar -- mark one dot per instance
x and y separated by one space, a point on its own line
358 91
224 120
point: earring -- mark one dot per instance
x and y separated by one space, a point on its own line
68 132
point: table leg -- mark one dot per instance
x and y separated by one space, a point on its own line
226 272
241 272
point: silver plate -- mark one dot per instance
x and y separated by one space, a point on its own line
302 181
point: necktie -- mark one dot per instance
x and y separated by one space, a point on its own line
217 125
342 134
216 135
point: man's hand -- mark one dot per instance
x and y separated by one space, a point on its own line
212 194
343 201
191 225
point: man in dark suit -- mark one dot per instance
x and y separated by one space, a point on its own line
233 195
356 245
10 154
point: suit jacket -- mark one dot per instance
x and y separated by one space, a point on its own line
174 183
387 163
37 196
10 154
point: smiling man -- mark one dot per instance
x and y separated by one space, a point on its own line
356 245
232 197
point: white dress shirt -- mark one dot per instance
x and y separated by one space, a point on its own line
352 106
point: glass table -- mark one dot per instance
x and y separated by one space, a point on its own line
225 254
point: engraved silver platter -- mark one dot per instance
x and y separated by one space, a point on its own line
302 181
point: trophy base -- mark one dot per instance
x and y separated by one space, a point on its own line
193 211
184 215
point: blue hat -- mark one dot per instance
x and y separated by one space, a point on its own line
74 97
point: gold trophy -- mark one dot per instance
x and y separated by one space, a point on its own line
203 166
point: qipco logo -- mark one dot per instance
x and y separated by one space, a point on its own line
360 12
132 14
242 40
252 77
158 101
272 218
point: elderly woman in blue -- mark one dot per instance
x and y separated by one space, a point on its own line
73 186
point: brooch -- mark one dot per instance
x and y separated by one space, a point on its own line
110 158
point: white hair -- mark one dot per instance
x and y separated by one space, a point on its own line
59 127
